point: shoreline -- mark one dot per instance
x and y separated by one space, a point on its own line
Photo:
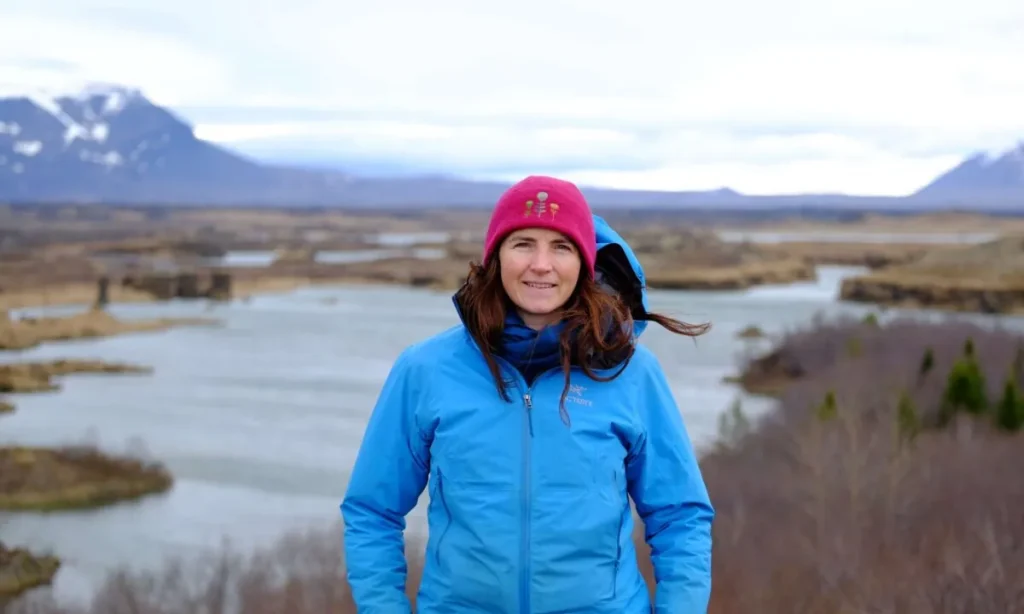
441 275
45 479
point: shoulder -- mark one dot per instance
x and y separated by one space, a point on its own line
446 345
645 376
643 365
644 359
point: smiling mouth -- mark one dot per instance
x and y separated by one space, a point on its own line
538 285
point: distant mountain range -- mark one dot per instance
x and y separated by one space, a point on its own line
113 145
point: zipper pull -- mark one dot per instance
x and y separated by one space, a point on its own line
526 399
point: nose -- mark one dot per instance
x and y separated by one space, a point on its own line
541 261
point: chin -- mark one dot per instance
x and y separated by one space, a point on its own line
540 309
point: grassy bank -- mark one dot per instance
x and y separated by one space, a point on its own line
886 480
49 479
985 278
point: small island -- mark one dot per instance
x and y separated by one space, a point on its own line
48 479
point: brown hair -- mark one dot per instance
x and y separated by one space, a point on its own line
598 330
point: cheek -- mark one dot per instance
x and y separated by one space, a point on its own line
511 270
570 272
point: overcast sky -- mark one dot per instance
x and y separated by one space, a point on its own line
865 96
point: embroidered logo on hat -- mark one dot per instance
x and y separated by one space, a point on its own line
541 206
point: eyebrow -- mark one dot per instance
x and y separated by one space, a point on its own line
529 239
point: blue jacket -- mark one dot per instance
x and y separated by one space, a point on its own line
528 515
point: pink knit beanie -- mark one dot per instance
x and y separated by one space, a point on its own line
544 202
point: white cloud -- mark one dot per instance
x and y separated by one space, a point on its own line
795 95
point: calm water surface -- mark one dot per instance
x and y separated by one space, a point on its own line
259 418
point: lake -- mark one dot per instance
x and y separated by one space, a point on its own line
259 419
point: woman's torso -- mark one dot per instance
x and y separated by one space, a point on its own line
528 513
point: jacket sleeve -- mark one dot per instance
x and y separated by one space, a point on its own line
671 497
389 474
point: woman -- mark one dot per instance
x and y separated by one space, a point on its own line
533 422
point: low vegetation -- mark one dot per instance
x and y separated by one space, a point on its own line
886 480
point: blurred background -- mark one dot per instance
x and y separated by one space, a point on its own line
220 222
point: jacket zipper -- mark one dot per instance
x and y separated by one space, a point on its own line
526 505
526 498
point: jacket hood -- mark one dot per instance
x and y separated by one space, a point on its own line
619 270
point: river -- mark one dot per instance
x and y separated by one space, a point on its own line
259 418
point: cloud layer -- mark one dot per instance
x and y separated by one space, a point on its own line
874 97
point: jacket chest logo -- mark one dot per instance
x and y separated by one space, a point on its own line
576 395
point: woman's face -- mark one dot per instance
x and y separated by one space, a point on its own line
539 270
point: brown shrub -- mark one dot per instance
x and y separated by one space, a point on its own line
836 506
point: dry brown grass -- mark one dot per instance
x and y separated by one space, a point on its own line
982 278
835 508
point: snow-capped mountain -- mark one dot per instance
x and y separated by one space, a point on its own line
111 143
985 176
